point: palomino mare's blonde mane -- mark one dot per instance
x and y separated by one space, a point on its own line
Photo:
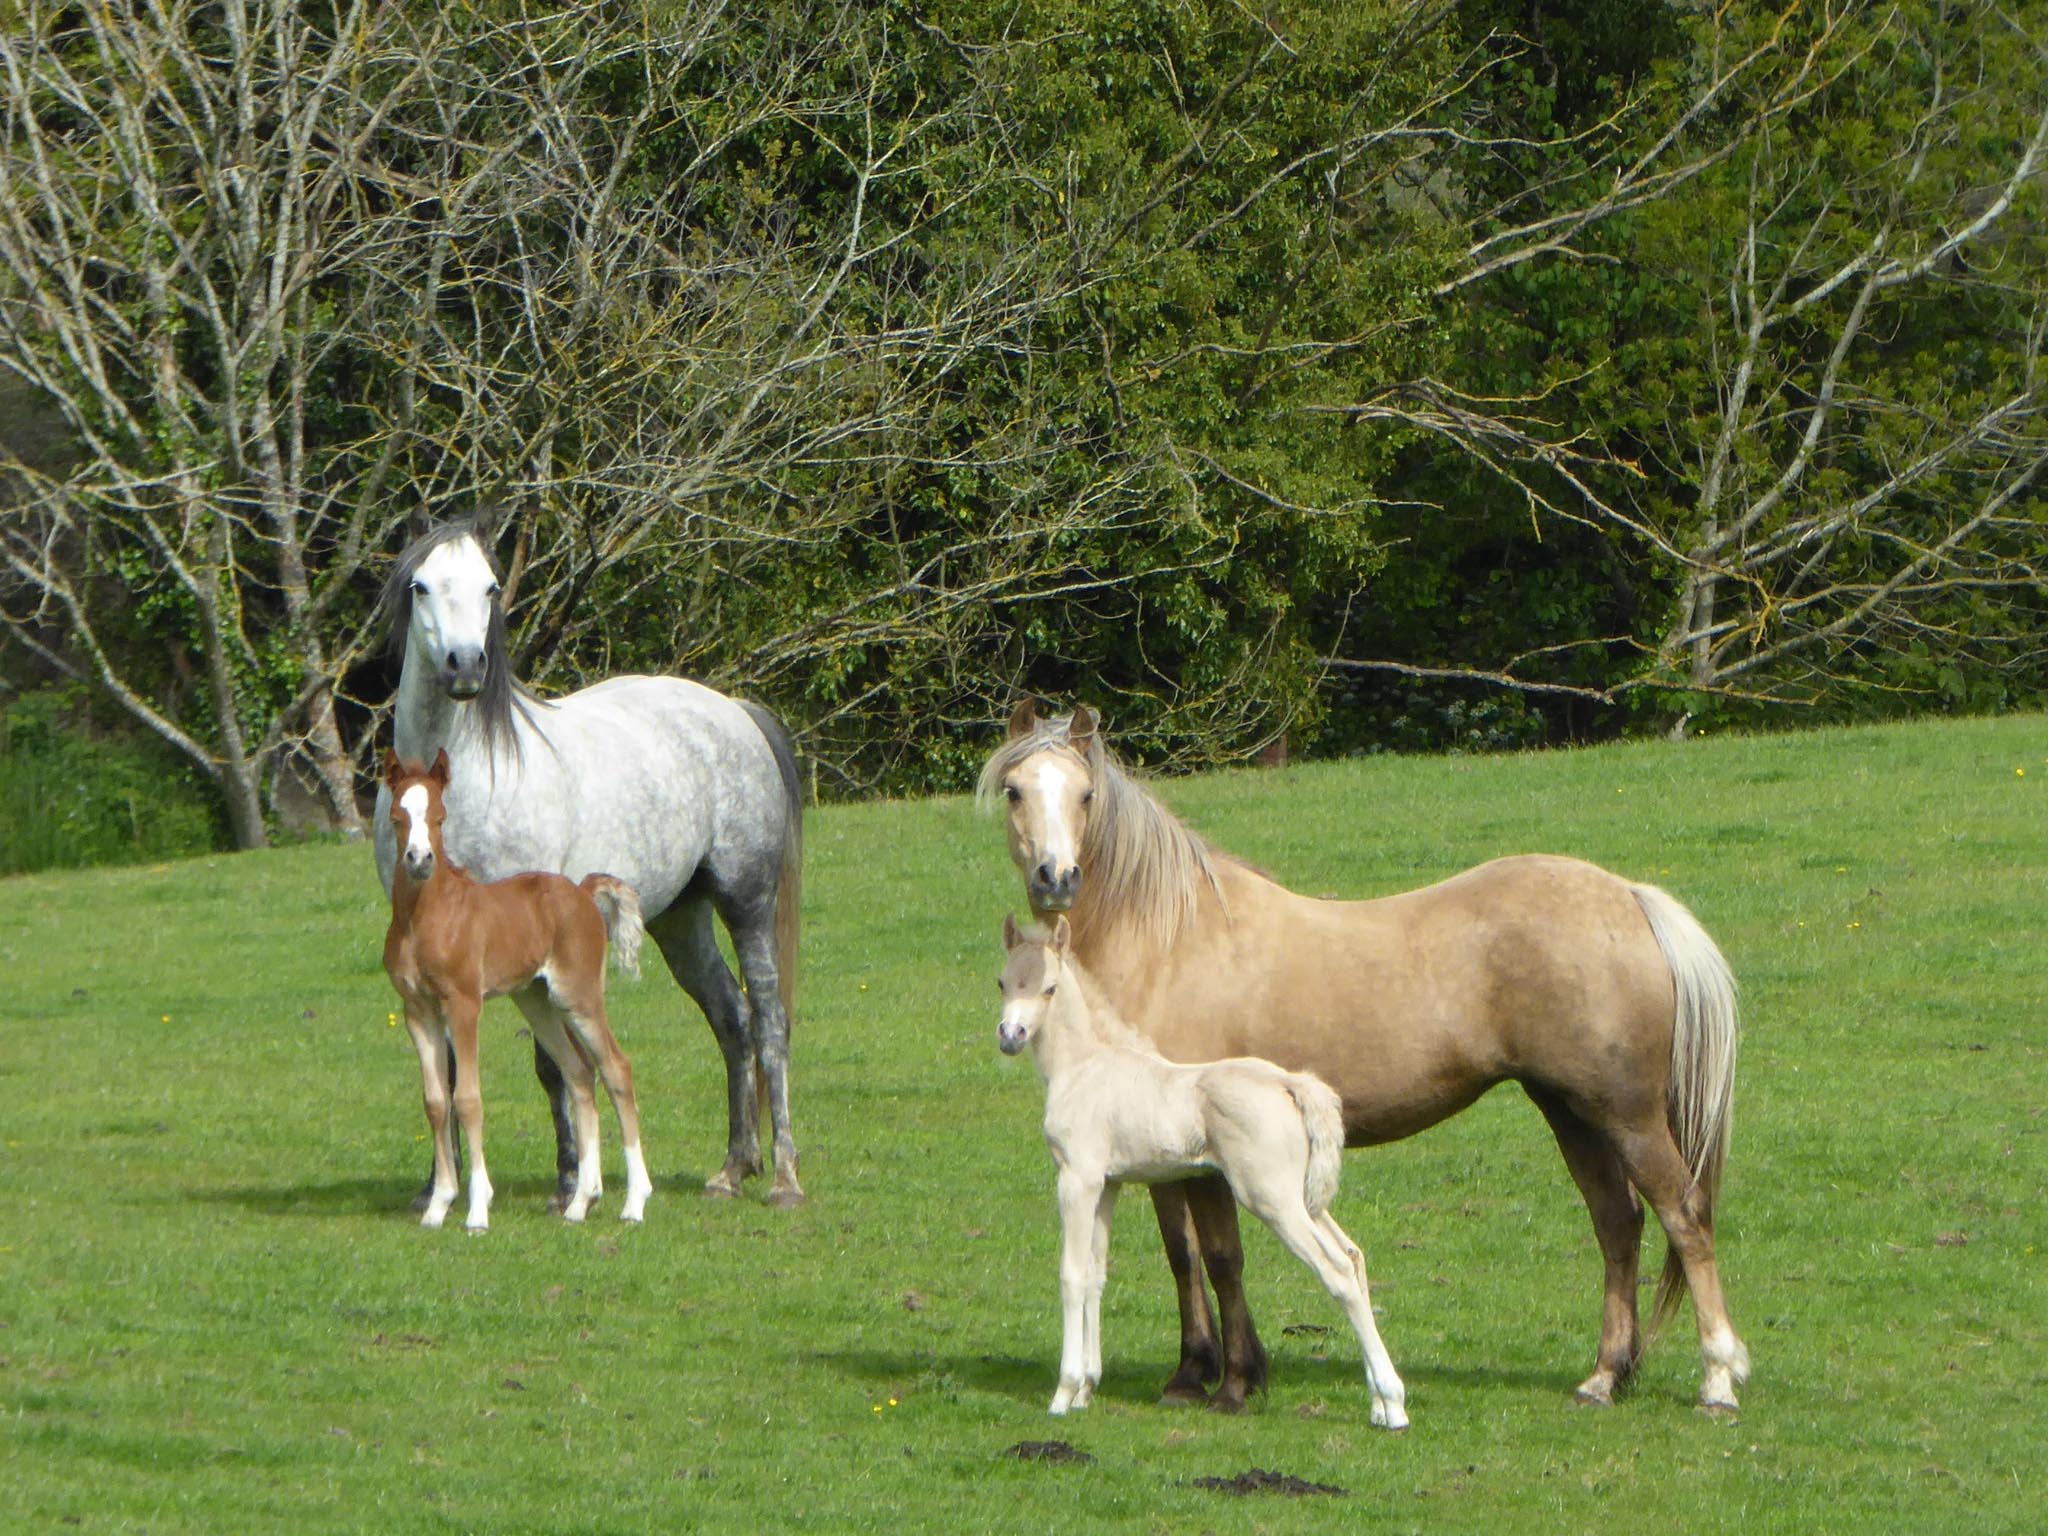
1145 869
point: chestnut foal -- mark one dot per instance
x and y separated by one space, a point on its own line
454 941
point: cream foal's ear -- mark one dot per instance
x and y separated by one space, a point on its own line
1009 930
1062 933
1024 718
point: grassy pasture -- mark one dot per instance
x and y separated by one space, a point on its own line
216 1313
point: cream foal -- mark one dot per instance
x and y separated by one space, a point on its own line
1115 1110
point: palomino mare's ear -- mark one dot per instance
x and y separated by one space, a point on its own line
1062 934
1009 930
439 772
1081 729
1024 718
394 770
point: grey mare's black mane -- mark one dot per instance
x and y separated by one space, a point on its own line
503 697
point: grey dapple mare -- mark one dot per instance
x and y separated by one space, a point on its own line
690 797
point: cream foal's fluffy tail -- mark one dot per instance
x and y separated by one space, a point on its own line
1322 1117
619 905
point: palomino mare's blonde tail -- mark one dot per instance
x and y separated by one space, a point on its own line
1322 1116
619 905
1701 1098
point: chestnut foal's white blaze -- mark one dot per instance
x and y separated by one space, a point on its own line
1116 1110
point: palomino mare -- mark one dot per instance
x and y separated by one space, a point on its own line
1115 1109
1604 999
690 797
455 942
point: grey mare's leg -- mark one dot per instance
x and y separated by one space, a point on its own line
690 946
753 938
557 1091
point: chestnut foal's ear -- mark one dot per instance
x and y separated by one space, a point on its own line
394 770
1062 934
1024 718
439 772
1081 730
1009 930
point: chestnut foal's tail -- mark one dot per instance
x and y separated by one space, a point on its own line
1701 1097
619 905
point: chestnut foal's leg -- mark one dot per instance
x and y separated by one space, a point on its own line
469 1106
1618 1227
601 1048
429 1040
1244 1357
551 1033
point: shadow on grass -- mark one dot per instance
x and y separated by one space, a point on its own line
1137 1384
394 1195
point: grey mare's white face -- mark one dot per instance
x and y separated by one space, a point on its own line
1047 798
1030 980
454 596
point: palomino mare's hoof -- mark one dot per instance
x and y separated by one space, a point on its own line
1229 1398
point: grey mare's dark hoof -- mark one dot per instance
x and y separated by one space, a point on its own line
787 1197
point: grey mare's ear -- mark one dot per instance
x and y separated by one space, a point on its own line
1009 931
488 518
1024 718
1081 730
1062 934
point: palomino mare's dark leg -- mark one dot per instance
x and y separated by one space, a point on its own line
1618 1226
689 944
557 1091
1244 1357
1201 1360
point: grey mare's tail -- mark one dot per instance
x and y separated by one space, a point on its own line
1701 1099
619 905
789 886
1322 1117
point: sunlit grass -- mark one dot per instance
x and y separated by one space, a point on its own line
216 1313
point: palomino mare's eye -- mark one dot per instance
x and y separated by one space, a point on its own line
1088 798
1012 793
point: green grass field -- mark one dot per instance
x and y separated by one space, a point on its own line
217 1314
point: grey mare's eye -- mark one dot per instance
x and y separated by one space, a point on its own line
491 590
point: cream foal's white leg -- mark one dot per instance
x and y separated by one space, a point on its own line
1098 1276
1080 1197
1389 1396
1343 1276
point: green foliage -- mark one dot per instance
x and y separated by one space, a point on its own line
77 788
219 1314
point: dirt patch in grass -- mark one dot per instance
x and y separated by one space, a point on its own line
1056 1451
1259 1480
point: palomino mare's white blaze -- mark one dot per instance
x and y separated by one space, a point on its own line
689 796
1116 1110
1604 999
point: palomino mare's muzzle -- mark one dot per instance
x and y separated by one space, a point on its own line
462 672
1051 890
